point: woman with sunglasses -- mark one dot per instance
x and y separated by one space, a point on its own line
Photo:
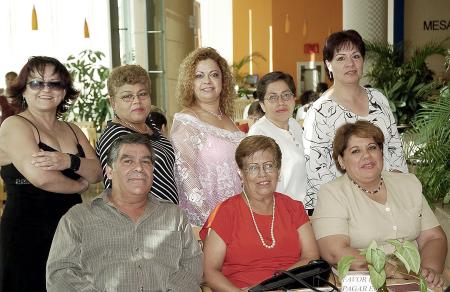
129 91
45 164
275 92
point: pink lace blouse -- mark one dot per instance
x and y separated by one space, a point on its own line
205 169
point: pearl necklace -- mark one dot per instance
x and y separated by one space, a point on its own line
256 225
128 125
218 116
368 191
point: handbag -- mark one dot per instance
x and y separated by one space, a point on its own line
314 274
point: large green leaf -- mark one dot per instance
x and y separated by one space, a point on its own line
344 266
409 255
377 278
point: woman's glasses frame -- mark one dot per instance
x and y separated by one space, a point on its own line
130 97
285 96
254 169
51 85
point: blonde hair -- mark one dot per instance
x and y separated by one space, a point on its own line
185 85
127 74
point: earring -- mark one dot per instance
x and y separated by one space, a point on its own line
24 103
330 73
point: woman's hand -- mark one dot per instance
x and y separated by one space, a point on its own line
51 160
84 183
433 278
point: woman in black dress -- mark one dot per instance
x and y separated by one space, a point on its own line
44 163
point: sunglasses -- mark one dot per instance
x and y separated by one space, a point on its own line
52 85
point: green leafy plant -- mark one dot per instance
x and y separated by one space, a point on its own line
427 146
90 77
405 251
405 83
239 77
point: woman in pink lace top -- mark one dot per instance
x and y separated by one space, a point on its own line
204 136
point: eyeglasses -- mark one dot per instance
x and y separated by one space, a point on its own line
52 85
254 168
130 97
285 96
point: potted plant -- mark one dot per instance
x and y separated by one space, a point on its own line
240 77
90 77
405 83
405 252
427 145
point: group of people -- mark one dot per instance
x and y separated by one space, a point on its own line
249 195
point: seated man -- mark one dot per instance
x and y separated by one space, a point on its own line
125 240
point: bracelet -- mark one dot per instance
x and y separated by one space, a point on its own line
75 162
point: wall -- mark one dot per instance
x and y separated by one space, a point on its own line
262 19
416 13
321 17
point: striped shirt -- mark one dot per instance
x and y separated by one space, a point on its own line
163 177
98 248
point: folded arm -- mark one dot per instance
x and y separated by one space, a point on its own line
16 132
89 168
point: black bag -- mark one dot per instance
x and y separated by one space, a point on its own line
314 274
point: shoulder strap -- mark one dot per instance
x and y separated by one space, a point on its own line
39 135
76 137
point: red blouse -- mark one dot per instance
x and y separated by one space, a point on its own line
247 262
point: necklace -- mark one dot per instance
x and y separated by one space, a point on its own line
128 125
218 116
368 191
256 225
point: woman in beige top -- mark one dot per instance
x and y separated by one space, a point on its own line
367 203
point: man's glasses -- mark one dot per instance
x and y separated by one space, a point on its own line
254 168
285 96
130 97
52 85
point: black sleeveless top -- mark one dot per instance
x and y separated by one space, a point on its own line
14 179
28 224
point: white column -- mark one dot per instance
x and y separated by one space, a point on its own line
368 17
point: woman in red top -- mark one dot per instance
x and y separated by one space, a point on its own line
250 236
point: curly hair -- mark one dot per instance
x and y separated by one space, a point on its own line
37 65
185 85
127 74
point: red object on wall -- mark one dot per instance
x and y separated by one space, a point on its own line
311 48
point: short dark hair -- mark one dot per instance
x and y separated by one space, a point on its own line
255 110
252 144
158 118
339 40
271 77
11 74
361 129
132 138
37 64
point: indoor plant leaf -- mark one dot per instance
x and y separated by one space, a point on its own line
423 284
344 266
377 278
409 256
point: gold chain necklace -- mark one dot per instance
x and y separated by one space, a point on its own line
218 116
256 225
128 125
